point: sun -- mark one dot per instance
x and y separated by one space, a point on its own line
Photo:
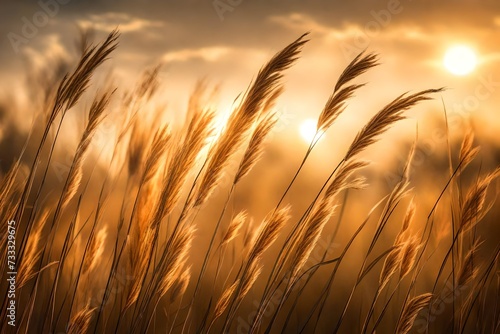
460 60
307 130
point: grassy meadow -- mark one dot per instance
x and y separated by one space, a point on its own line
147 225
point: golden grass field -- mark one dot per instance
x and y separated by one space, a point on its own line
151 226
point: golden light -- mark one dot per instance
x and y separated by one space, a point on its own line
307 130
460 60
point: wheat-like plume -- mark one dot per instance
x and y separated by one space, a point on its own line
182 161
468 269
149 83
407 220
249 235
224 300
467 151
234 227
139 260
73 86
359 65
271 100
390 266
255 146
389 115
159 146
312 231
80 322
175 259
148 193
95 250
408 256
32 253
249 279
336 103
269 232
410 312
402 250
137 145
73 181
180 285
341 179
473 209
263 89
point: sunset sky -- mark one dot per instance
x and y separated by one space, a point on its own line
228 41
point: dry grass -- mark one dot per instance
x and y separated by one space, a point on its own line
133 256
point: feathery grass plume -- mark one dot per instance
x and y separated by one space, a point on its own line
467 151
156 153
409 160
149 83
410 312
139 260
396 195
336 104
32 253
389 115
313 228
395 256
407 220
73 86
267 83
473 209
68 94
255 146
234 227
249 279
250 235
136 147
147 196
390 266
341 182
95 250
408 256
143 90
268 232
271 100
224 300
180 285
148 192
74 178
132 103
359 65
468 270
176 258
182 160
80 322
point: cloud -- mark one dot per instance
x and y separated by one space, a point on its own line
126 23
50 48
299 22
208 54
